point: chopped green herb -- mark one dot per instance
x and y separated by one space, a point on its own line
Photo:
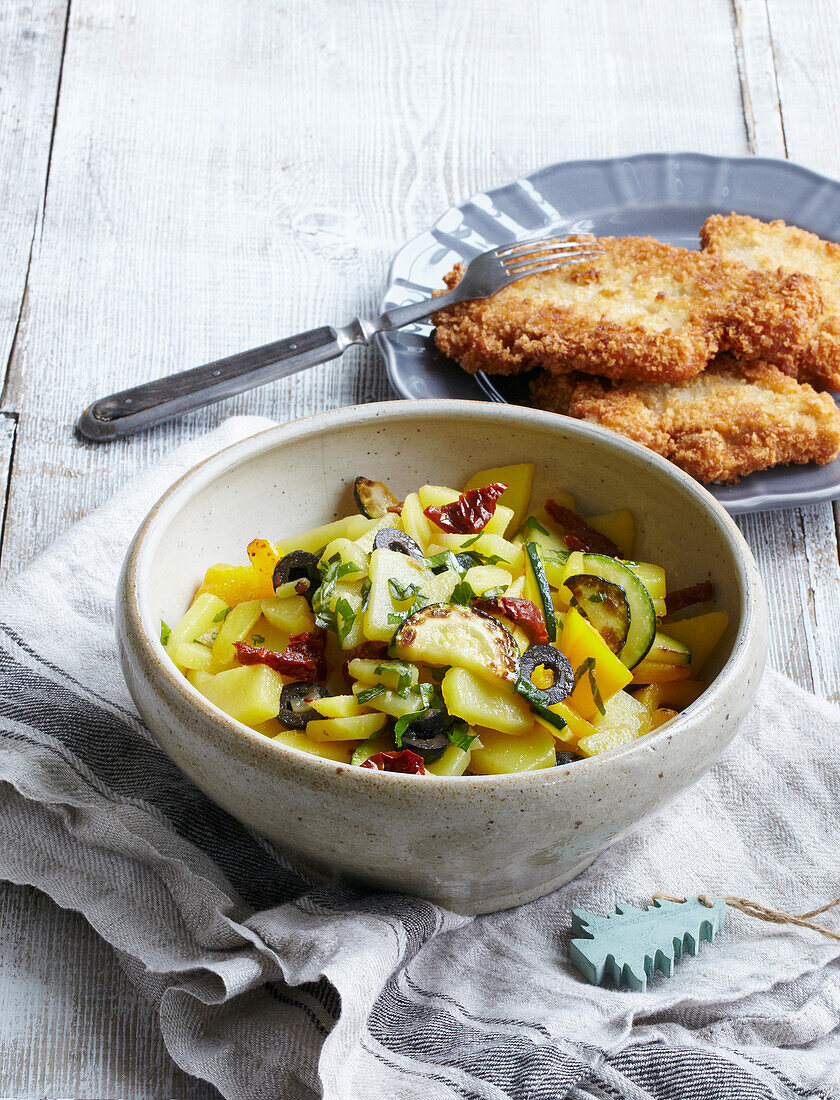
492 593
533 524
365 595
471 542
559 557
462 593
460 737
587 668
370 693
598 597
403 592
165 633
429 695
220 615
394 619
403 723
345 618
257 639
445 557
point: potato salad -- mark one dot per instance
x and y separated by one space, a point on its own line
453 632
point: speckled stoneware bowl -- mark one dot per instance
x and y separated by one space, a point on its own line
474 844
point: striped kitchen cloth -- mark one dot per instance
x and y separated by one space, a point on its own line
272 987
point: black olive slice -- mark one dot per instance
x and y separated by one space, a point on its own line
373 499
604 604
297 566
295 708
426 734
563 756
564 677
391 538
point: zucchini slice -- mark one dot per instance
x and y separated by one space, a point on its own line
373 498
449 634
536 584
642 627
604 604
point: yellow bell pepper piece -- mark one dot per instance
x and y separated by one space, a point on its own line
580 642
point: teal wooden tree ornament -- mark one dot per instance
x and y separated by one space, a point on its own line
630 944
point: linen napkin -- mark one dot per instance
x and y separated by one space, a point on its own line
271 987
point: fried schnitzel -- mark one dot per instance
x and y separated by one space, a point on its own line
775 246
644 310
731 420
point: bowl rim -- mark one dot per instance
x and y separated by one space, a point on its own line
131 595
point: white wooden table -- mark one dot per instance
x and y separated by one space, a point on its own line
181 179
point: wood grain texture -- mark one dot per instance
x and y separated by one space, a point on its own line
224 174
31 46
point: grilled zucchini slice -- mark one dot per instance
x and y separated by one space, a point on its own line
449 634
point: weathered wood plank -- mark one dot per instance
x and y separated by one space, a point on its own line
299 149
31 46
71 1022
796 550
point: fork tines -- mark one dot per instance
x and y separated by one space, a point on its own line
547 253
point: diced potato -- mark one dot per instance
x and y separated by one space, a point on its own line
414 523
454 761
268 635
517 588
581 641
654 672
339 706
194 656
517 496
350 553
356 728
365 543
292 615
489 545
701 634
388 702
579 727
661 716
199 679
481 578
498 753
499 522
676 694
205 611
435 496
390 673
481 703
236 628
340 751
235 583
619 526
625 720
250 693
384 612
351 527
264 555
565 500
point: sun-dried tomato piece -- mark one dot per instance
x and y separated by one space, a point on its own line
469 513
304 657
522 612
405 761
685 597
577 532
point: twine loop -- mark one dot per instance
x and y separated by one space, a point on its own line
763 912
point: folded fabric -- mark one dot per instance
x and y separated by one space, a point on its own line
272 987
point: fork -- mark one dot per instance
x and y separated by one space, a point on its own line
151 403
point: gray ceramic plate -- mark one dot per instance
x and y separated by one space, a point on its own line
664 195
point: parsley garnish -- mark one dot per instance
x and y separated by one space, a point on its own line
403 723
345 617
403 592
462 593
445 557
165 633
331 574
365 595
472 541
459 736
533 524
367 694
220 615
587 668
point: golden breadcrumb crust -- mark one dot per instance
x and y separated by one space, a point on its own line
731 420
775 246
644 310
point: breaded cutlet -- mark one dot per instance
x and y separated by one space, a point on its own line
733 419
774 246
643 310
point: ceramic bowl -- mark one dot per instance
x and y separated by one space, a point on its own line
473 844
